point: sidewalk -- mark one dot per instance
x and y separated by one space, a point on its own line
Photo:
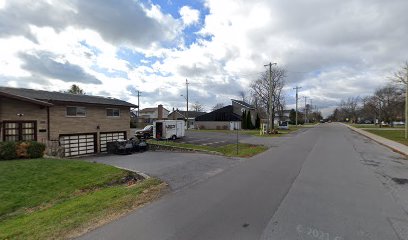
395 146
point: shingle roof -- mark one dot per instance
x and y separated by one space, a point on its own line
191 114
47 96
242 103
152 109
223 114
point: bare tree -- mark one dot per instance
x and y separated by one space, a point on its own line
260 89
197 107
401 76
218 106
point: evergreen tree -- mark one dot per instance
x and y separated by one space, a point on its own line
244 120
248 120
257 122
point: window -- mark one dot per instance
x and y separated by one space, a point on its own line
76 111
112 112
19 131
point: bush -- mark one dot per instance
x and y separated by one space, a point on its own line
8 150
35 149
22 149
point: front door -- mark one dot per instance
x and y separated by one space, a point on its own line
20 131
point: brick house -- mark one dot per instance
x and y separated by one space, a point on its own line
69 124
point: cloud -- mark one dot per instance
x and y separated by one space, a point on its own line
189 15
332 49
118 22
45 64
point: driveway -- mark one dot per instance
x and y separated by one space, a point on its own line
177 169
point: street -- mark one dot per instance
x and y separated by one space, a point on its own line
326 182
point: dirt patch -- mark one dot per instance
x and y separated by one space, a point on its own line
400 180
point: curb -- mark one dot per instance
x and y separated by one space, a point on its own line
378 139
131 170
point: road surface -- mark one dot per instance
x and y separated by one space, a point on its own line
324 183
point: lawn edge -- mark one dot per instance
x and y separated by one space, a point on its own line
381 140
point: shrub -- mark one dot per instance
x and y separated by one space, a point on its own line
21 149
8 150
35 149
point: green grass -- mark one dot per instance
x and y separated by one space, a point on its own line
256 132
47 198
395 135
371 126
244 150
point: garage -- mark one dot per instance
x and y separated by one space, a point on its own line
109 137
78 144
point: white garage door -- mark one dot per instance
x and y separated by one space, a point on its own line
110 137
78 144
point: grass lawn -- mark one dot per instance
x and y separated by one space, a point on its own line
49 198
395 135
256 132
372 126
244 150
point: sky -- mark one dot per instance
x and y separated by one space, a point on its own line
331 49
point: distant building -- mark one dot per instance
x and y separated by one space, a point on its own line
148 115
182 115
227 118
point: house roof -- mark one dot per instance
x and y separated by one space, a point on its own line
242 103
223 114
152 109
191 114
46 97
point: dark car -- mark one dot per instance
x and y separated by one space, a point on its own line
145 133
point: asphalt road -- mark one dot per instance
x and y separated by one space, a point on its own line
323 183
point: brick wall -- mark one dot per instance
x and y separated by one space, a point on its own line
10 108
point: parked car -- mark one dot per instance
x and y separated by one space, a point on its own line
146 132
400 123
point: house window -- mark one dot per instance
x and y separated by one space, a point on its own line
113 112
76 111
19 131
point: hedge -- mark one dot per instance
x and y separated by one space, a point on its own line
14 150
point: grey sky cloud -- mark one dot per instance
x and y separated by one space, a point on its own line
43 64
118 21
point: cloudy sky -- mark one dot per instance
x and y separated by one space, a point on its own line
332 49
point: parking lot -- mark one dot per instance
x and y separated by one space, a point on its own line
213 139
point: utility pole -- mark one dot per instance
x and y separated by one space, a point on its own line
297 88
187 104
306 120
311 108
270 118
138 104
406 104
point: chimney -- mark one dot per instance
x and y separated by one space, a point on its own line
160 112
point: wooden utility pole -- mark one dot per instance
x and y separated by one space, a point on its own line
297 88
187 104
270 118
138 103
306 120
